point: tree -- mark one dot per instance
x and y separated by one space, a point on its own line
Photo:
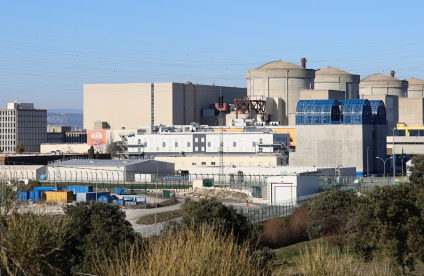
20 148
91 153
329 214
417 169
389 222
112 146
95 229
97 155
214 212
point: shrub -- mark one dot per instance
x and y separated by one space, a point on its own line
329 214
34 244
389 222
278 232
214 212
94 228
200 250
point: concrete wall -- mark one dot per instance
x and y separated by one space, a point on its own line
15 172
188 162
322 95
112 102
333 145
411 111
392 109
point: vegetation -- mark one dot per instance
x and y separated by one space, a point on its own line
150 219
389 222
94 229
97 155
201 250
20 148
91 153
417 170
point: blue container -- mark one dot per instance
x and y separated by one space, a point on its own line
22 196
43 177
80 189
118 201
121 191
141 199
130 203
90 196
47 189
114 197
128 198
105 198
35 195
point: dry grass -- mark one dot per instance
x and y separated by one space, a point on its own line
318 260
202 252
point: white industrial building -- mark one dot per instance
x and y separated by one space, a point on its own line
22 123
104 170
291 187
195 139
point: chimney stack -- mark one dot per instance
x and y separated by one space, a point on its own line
392 73
303 62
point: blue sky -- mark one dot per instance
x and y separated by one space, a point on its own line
49 49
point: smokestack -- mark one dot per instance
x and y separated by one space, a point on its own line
392 73
303 62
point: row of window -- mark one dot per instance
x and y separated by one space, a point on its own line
231 164
7 142
202 139
7 119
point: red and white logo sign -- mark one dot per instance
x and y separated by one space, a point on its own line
96 137
247 205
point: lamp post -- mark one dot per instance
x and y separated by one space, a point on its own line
394 158
156 198
384 162
368 168
402 164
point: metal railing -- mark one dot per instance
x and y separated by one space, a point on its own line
155 228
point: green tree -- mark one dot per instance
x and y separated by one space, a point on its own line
389 222
20 148
417 169
214 212
97 155
91 153
95 229
329 213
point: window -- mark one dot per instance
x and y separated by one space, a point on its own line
203 148
203 163
170 149
196 149
163 144
176 144
188 144
157 148
234 144
196 140
261 150
193 164
203 139
241 164
209 144
213 163
139 141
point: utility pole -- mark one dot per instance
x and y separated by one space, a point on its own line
221 138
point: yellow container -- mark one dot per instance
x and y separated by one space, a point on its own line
58 196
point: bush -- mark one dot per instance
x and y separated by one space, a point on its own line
329 214
278 232
389 222
95 228
200 250
213 212
34 244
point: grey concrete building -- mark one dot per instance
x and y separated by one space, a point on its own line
283 80
383 85
322 95
336 79
130 105
392 109
411 111
22 123
415 88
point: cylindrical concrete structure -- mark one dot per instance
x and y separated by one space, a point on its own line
336 79
383 85
415 88
283 80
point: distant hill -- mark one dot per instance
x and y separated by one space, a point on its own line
78 111
73 119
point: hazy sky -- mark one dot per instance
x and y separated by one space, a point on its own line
49 49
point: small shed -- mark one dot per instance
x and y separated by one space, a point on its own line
291 187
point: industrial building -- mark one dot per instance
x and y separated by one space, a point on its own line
14 172
280 80
383 85
105 170
22 123
415 88
151 103
194 139
336 79
350 133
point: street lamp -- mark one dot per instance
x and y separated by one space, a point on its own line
368 168
384 161
402 164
